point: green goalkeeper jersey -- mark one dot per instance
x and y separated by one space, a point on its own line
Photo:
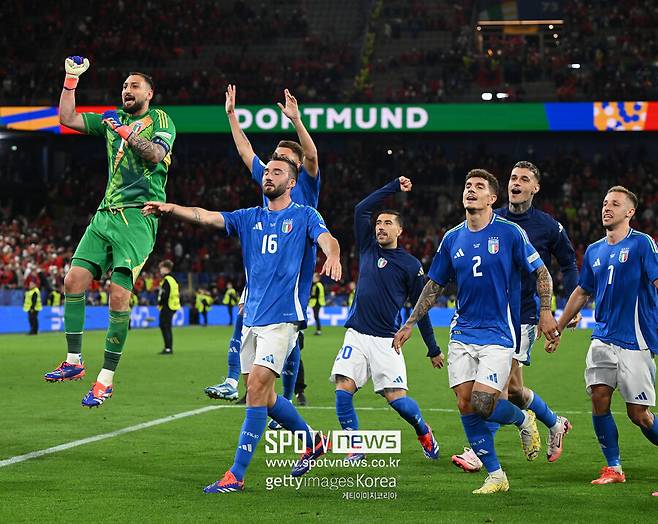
130 178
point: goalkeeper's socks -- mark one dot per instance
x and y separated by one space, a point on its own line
652 432
290 370
285 414
544 414
507 413
608 436
408 409
234 351
252 430
481 441
345 412
74 319
105 377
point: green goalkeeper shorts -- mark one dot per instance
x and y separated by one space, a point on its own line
117 240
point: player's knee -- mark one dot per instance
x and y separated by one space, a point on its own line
119 298
515 395
345 384
464 405
640 415
601 398
482 403
74 282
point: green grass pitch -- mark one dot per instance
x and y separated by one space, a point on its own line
157 474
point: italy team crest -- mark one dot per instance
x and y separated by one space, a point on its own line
381 262
493 245
623 255
286 226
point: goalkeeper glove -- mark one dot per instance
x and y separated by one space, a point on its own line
74 66
111 120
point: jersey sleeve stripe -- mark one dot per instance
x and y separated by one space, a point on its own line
450 231
518 227
651 241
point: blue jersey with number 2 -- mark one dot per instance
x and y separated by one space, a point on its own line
486 266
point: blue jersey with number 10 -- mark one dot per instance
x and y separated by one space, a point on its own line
486 266
621 277
273 247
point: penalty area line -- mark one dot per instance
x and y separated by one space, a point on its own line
170 418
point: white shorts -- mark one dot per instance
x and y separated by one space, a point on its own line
267 346
632 372
489 365
364 356
528 337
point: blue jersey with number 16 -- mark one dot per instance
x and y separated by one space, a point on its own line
486 266
273 247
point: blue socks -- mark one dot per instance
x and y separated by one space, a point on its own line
506 413
289 373
481 441
345 412
285 414
652 432
543 412
409 411
234 350
493 427
251 433
608 436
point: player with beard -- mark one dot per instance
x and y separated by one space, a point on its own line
274 239
119 238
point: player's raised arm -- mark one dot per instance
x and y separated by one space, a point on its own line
364 209
291 110
196 215
330 247
74 66
241 141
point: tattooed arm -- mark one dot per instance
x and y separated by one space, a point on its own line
547 324
148 150
196 215
427 299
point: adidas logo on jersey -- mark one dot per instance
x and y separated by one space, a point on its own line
459 253
269 358
596 263
642 396
258 226
493 378
399 380
246 447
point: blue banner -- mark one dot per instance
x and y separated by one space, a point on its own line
14 320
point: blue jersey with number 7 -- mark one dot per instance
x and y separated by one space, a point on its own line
621 278
486 266
273 247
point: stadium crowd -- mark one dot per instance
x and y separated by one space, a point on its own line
40 245
191 48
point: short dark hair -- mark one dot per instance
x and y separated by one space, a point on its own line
621 189
292 167
296 148
393 212
168 264
524 164
147 78
483 173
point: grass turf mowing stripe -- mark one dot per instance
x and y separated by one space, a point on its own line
144 425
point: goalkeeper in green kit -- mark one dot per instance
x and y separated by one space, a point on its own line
119 238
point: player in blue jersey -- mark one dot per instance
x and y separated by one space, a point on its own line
388 274
274 239
485 256
549 238
621 272
306 192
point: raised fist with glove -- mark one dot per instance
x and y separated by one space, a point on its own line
74 66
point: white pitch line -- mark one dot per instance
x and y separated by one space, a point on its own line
144 425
